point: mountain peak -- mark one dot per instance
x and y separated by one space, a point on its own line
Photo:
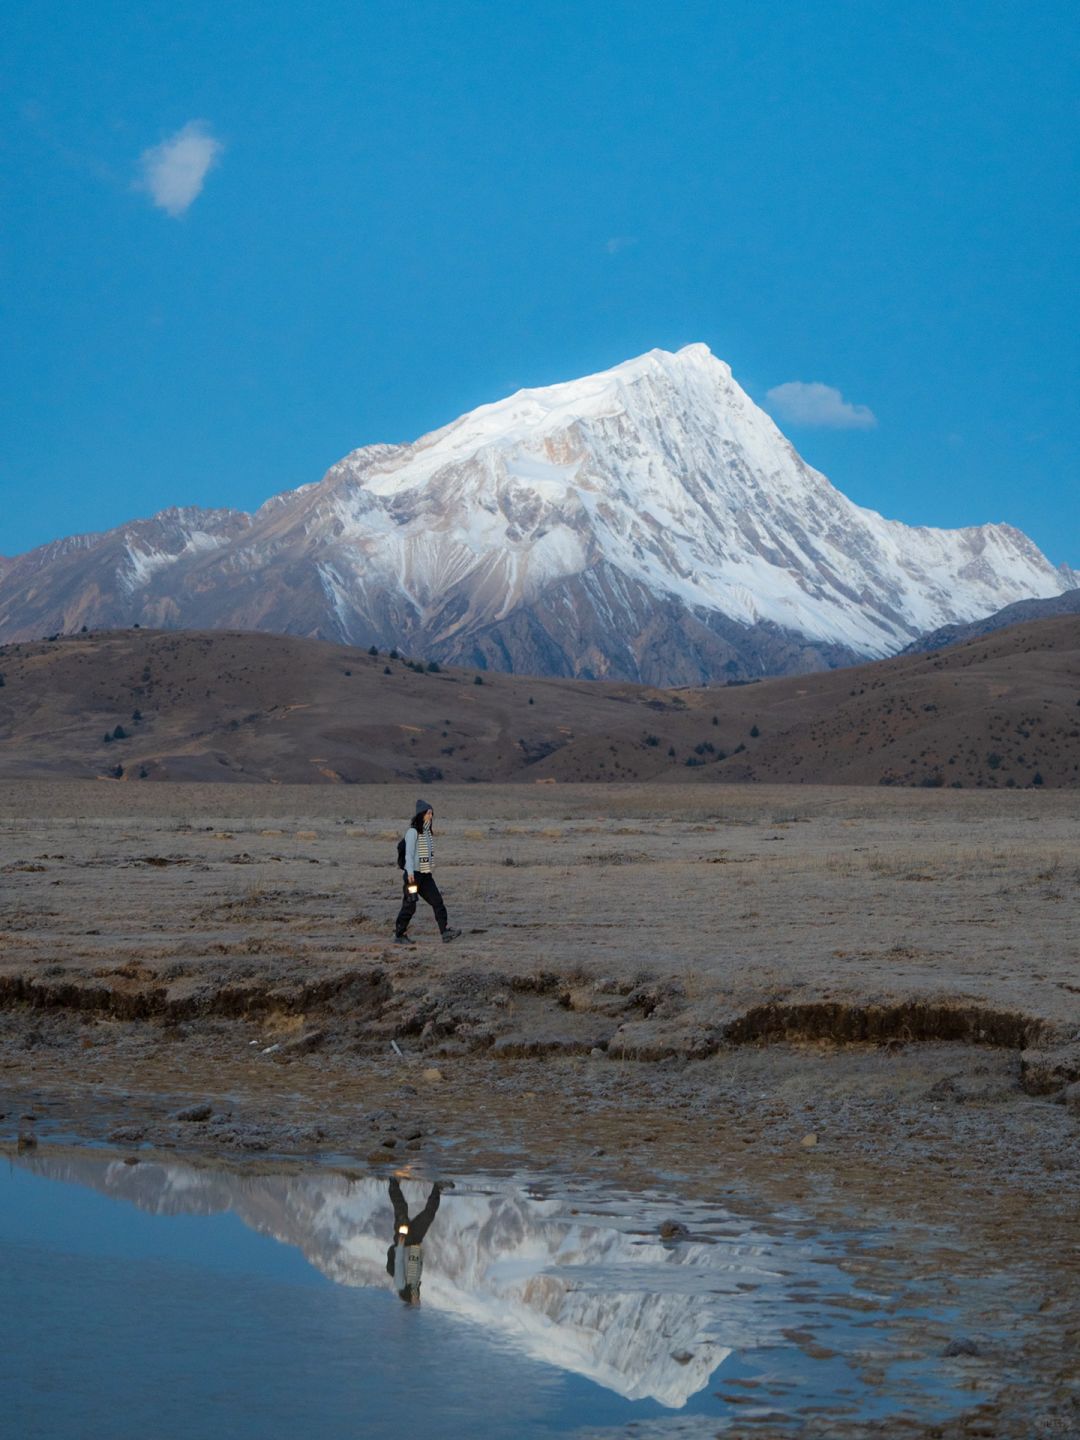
529 417
647 522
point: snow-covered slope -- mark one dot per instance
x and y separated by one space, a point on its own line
648 522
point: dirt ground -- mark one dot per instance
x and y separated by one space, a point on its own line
861 1003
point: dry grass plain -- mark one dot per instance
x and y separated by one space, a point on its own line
745 895
657 984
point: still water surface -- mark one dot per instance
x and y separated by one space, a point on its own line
169 1301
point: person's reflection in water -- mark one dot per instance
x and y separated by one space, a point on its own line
405 1258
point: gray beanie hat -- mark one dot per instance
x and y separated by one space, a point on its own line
423 805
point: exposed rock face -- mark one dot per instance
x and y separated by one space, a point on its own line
645 523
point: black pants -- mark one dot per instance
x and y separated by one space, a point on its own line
418 1225
429 891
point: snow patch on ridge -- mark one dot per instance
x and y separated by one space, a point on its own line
143 563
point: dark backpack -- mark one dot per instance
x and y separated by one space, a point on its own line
401 853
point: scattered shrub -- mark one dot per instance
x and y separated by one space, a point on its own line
993 760
478 679
652 741
136 715
386 670
754 732
373 650
119 733
433 667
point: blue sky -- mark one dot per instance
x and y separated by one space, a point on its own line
239 241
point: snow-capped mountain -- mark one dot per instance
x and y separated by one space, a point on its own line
649 522
635 1315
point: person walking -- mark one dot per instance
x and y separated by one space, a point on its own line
417 877
404 1258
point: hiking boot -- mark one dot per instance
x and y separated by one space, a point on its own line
403 940
448 935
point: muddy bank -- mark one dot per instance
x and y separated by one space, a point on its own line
467 1012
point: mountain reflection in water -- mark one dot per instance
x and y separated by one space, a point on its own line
639 1316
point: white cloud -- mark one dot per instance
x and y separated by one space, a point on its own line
817 404
620 242
173 172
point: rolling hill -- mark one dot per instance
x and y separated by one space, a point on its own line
1002 710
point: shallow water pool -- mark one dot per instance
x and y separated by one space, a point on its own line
168 1300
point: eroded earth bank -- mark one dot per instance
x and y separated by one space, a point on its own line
860 1005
